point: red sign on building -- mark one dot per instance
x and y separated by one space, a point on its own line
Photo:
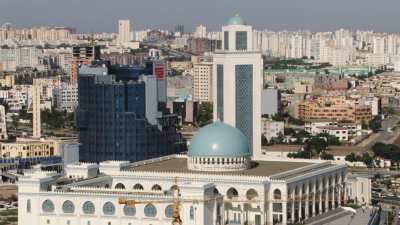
159 71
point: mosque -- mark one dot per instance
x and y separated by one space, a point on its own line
218 183
221 180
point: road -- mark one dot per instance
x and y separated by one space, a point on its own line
384 135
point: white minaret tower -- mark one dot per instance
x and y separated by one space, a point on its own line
36 121
238 82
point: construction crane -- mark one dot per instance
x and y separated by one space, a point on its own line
177 201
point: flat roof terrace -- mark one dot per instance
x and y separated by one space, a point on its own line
259 168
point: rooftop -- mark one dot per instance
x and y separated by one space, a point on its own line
261 168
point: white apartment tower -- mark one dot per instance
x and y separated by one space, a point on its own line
124 31
36 120
237 82
201 31
202 80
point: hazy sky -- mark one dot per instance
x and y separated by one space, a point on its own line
102 15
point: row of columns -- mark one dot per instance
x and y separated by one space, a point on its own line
325 199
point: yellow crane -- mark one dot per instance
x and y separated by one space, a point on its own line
177 201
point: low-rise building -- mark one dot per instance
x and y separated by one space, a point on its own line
344 131
358 189
272 129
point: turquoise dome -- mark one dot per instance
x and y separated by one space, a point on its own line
219 140
236 20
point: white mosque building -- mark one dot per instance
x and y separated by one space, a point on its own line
219 181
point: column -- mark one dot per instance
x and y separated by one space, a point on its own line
269 214
327 195
333 193
340 196
320 198
284 211
307 204
293 202
300 203
313 199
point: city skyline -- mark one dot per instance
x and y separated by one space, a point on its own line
263 14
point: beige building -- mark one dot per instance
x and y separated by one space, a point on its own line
202 78
7 81
28 148
336 108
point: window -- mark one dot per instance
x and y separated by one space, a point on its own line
244 100
156 187
88 208
277 194
241 40
129 211
150 210
226 40
108 208
68 207
28 206
191 212
48 221
48 206
119 186
138 187
232 193
220 92
169 211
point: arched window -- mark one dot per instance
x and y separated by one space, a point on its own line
120 186
251 194
232 193
129 211
68 207
173 188
28 206
169 211
150 210
108 208
156 187
138 187
277 194
88 208
216 192
48 206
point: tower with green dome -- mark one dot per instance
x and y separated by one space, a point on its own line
238 82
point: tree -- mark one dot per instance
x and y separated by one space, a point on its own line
205 114
368 160
387 151
375 124
326 156
351 157
316 145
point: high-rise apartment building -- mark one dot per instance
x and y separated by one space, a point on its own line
124 31
83 55
238 82
120 115
202 80
201 31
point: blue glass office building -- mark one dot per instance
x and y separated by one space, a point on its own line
113 121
